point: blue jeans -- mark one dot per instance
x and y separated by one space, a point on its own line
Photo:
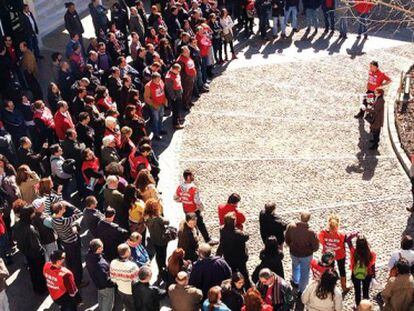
311 18
343 26
156 120
292 10
300 271
282 24
329 17
362 21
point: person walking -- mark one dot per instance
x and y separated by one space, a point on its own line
61 282
188 194
188 237
323 295
363 8
30 31
98 269
302 242
362 267
376 109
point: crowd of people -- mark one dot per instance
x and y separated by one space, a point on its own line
80 159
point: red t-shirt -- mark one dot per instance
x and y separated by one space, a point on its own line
224 209
265 307
376 79
333 242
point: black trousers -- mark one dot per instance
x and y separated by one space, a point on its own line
218 49
177 109
376 135
68 303
74 259
161 256
202 226
35 265
357 288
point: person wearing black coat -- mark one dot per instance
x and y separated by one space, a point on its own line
25 155
119 16
110 234
233 291
29 245
271 224
30 31
98 269
91 216
208 270
65 81
173 23
99 19
233 247
5 72
73 23
147 297
271 257
189 237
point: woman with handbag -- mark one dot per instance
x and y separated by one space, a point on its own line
375 116
156 225
227 24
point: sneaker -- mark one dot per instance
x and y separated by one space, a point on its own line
213 242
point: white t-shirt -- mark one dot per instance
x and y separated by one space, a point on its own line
406 254
123 273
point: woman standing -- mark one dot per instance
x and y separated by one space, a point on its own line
271 257
377 110
46 192
156 225
177 263
27 180
146 186
53 96
362 267
333 240
213 301
233 291
216 38
227 24
135 207
323 295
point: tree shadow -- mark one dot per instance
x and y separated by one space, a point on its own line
367 159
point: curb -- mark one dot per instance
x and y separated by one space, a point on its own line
395 138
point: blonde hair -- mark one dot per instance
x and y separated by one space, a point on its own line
333 222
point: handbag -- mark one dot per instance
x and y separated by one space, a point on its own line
170 234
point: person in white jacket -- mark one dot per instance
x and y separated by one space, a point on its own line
323 295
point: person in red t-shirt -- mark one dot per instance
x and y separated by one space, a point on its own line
363 8
232 206
61 282
376 79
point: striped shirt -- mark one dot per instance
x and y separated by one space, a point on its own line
123 274
63 226
50 200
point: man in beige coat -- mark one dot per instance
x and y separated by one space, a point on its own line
184 297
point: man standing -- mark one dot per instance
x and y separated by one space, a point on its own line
98 269
29 67
30 31
174 91
187 193
73 23
123 273
114 199
188 74
154 96
184 297
275 290
63 120
303 242
110 234
291 11
60 282
376 79
209 270
271 224
65 229
363 8
147 297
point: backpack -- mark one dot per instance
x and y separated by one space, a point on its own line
360 271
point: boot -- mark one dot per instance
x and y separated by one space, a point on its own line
345 289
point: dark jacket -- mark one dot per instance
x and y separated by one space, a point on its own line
28 240
233 298
282 298
270 224
46 234
379 113
233 246
147 297
98 269
209 272
73 150
290 3
278 8
312 4
301 240
99 18
90 220
273 261
86 135
188 240
111 235
27 156
27 28
73 23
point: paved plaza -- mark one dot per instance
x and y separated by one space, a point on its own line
277 125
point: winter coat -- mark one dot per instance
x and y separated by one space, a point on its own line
233 246
379 113
270 224
398 293
98 269
111 235
147 297
301 240
314 303
272 261
188 240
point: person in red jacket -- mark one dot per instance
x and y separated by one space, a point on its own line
63 120
188 194
319 267
138 160
61 282
206 49
91 171
232 206
363 8
376 79
44 123
188 75
174 90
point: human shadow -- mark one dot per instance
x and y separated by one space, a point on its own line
322 43
367 159
335 47
357 48
305 42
